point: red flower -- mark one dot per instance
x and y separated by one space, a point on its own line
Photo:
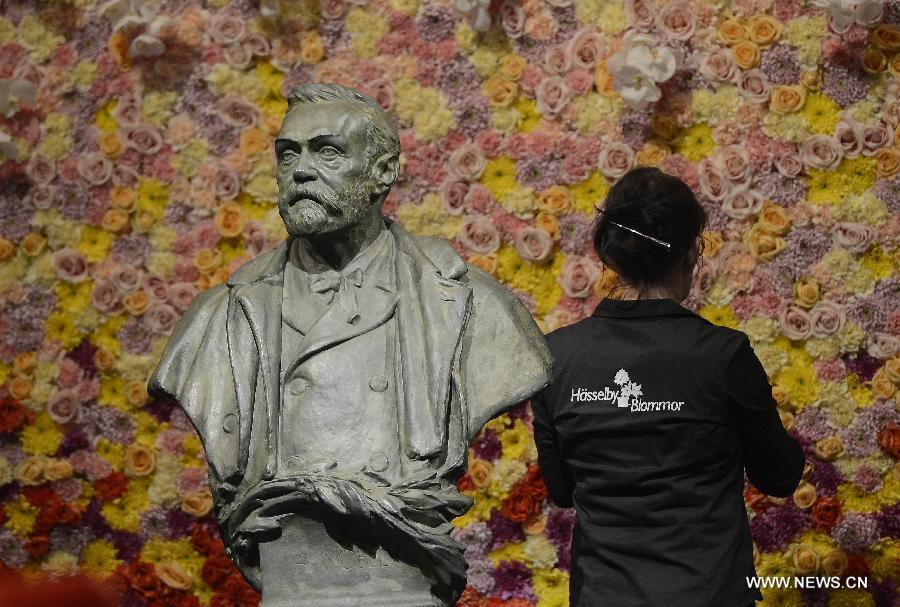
205 542
534 483
13 415
465 483
111 486
857 566
38 546
143 579
39 495
756 499
889 439
520 504
216 570
471 598
826 513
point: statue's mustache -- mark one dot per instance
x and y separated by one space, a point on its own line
294 195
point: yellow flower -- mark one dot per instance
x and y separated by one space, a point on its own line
590 193
821 113
593 110
519 200
806 34
551 587
864 208
112 392
513 551
7 31
852 177
529 116
537 279
190 451
884 559
113 453
499 176
846 597
157 107
878 262
365 29
188 159
860 392
20 516
39 40
518 443
466 37
785 126
152 197
84 73
540 553
799 382
99 558
714 106
485 61
719 315
696 142
608 16
104 119
505 119
124 513
429 218
95 243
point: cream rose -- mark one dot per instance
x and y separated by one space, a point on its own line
883 345
834 563
453 195
855 237
197 503
586 48
827 318
713 184
805 495
849 134
95 168
829 448
578 276
806 559
238 112
64 407
479 234
821 152
615 160
467 162
174 575
754 86
641 14
807 291
557 60
143 138
795 322
742 203
876 136
533 244
70 265
552 94
718 66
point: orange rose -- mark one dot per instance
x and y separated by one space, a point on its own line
882 385
109 143
811 79
764 30
33 244
218 276
732 31
197 503
746 54
7 249
136 393
712 243
24 362
117 45
886 36
887 162
608 280
652 154
114 220
664 127
57 470
556 199
488 263
136 302
230 219
207 260
829 448
874 61
512 65
786 418
834 563
787 98
253 141
122 198
140 460
806 559
603 80
892 369
762 244
894 68
807 291
779 396
311 50
20 387
173 575
480 472
103 359
774 219
805 495
500 90
272 122
143 221
547 222
30 470
535 524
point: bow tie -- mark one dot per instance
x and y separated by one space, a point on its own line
331 280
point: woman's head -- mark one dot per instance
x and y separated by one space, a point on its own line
659 206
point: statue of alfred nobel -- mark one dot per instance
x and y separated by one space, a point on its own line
336 380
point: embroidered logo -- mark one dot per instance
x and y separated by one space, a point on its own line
627 396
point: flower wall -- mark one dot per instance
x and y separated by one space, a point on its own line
137 170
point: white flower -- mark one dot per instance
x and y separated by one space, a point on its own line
845 13
139 15
475 12
14 93
639 65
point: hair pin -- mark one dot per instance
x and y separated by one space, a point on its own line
661 243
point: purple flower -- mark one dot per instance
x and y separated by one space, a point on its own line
487 445
780 64
160 409
512 580
475 537
136 338
804 246
862 364
458 80
774 529
842 85
855 532
436 23
334 35
15 209
503 530
480 574
132 249
69 539
12 550
94 519
868 312
22 324
867 478
783 190
83 354
560 522
537 172
72 202
825 476
128 545
814 423
108 422
889 521
154 524
884 593
635 125
574 233
472 115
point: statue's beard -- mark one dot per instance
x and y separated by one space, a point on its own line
306 211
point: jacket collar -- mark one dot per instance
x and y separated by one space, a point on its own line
639 308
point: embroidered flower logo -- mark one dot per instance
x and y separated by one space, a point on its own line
627 388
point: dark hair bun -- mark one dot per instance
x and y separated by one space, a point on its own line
655 204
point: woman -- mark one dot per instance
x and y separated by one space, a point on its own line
651 418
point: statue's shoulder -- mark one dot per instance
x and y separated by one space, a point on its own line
264 264
451 265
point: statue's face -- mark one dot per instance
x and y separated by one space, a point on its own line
324 180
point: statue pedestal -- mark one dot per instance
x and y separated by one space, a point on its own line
333 562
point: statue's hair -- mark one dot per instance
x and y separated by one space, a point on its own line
384 138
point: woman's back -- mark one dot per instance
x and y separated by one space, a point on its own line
651 416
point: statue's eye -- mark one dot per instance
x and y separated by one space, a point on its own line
329 151
286 157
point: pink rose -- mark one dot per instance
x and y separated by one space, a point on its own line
794 321
512 18
827 318
467 162
226 29
155 287
87 390
95 168
70 265
557 60
849 134
875 137
453 195
713 184
580 81
676 20
533 244
821 152
332 9
238 112
742 203
855 237
256 44
615 159
106 297
125 177
585 49
479 234
704 276
552 95
479 199
171 441
69 373
40 170
578 276
126 277
382 91
787 161
641 14
143 138
160 318
226 183
719 66
128 109
237 55
754 85
735 163
883 345
64 407
42 197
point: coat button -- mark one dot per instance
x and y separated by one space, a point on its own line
229 423
299 385
378 462
379 383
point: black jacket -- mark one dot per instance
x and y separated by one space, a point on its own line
657 477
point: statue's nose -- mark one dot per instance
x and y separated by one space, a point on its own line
303 171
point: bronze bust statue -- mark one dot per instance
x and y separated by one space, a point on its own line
337 380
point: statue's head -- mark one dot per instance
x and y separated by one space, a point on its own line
338 156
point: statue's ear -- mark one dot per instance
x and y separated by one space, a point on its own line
385 171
